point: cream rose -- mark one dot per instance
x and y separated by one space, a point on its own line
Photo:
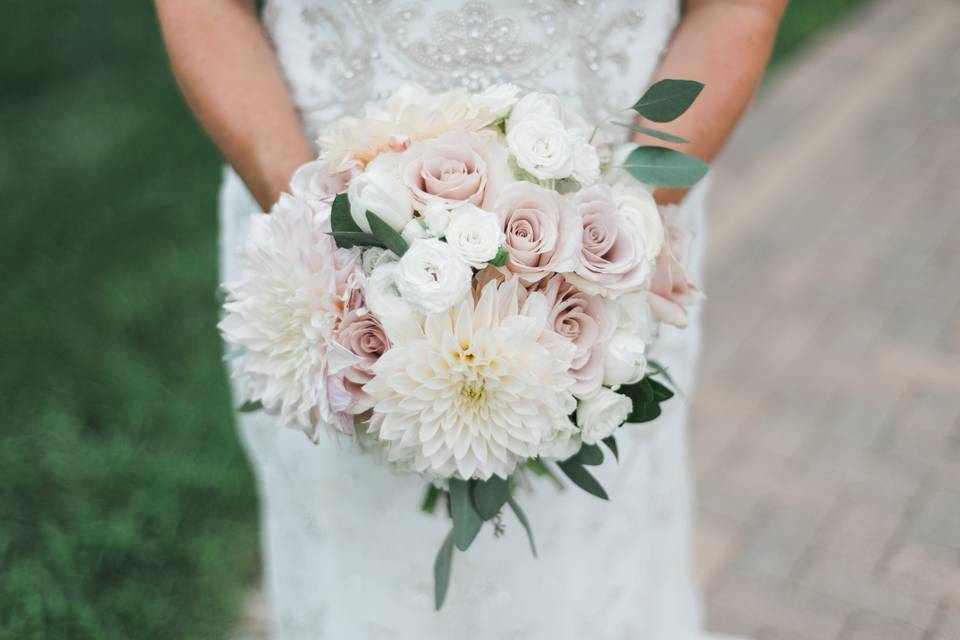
315 183
475 234
583 319
621 238
431 276
542 230
599 415
561 442
672 289
460 166
379 190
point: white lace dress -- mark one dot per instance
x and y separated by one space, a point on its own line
347 554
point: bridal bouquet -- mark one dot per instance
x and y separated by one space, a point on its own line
469 285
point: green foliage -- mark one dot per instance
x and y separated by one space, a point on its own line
430 499
664 167
667 99
579 475
341 220
611 443
441 571
386 234
466 521
590 455
654 133
501 258
489 496
522 517
250 406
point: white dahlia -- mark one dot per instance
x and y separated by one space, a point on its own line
473 391
281 313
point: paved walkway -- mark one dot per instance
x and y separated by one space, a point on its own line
827 427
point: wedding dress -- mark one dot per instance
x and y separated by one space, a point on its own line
347 554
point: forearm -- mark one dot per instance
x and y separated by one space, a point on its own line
725 44
229 77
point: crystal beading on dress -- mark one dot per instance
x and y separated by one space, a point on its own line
342 55
346 559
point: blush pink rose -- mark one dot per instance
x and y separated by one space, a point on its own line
620 240
581 318
315 183
460 166
672 288
542 230
362 334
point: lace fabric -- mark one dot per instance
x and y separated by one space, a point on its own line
347 554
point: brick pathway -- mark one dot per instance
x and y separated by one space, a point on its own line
827 427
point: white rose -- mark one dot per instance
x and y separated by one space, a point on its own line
494 102
543 147
599 415
381 294
637 204
561 442
475 235
431 224
380 190
626 361
586 164
431 276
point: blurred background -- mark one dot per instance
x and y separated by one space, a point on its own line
826 432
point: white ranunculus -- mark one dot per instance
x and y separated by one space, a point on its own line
432 276
637 204
543 147
475 235
371 257
599 415
586 164
380 190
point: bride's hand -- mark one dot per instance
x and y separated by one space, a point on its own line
231 80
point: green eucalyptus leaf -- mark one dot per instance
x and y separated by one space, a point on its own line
522 517
611 443
664 167
540 468
659 370
387 234
501 258
667 99
489 496
660 391
589 454
348 239
250 406
441 571
430 499
340 217
466 521
644 413
579 475
653 133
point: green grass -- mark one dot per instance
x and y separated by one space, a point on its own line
127 510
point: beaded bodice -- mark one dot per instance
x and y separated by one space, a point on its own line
339 55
